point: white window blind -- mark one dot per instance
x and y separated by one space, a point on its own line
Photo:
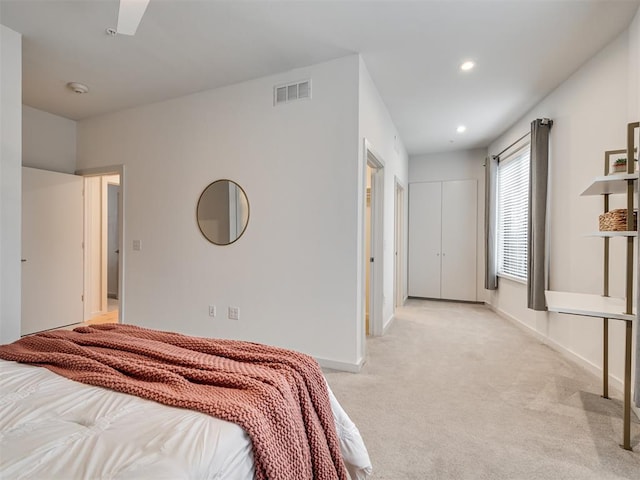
513 214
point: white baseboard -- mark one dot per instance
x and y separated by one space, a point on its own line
342 366
386 326
614 381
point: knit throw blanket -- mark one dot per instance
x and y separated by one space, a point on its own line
279 397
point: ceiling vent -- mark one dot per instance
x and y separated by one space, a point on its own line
291 91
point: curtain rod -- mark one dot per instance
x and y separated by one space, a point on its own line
514 143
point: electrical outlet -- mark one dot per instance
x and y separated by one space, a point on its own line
212 310
234 313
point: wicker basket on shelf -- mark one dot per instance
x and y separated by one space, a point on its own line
616 220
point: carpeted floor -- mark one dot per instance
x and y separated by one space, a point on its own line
454 391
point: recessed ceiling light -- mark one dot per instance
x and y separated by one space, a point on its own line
461 129
466 66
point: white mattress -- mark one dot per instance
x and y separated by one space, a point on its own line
55 428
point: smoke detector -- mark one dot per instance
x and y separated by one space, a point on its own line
77 87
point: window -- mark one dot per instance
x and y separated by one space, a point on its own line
513 214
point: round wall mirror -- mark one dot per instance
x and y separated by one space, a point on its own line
223 212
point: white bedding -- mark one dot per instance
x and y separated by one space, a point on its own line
55 428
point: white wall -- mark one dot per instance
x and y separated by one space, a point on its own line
634 69
48 141
589 111
10 182
457 165
293 273
375 125
440 167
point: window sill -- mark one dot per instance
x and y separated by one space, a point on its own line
512 278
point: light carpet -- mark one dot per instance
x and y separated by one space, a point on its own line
453 391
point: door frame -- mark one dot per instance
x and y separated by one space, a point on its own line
107 184
375 161
115 170
398 248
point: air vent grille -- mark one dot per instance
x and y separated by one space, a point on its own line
291 91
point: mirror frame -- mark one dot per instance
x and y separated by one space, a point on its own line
246 224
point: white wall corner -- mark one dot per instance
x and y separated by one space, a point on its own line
388 324
290 141
48 141
341 366
10 183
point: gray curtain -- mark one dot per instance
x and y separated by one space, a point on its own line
490 227
537 228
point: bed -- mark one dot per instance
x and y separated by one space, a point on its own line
81 417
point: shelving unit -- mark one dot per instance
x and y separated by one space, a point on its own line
612 234
603 306
610 184
588 305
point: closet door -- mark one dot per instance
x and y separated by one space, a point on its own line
459 206
424 239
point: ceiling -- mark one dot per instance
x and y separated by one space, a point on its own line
523 49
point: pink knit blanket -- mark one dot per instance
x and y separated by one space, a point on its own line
279 397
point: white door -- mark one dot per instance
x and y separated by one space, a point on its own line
424 239
459 204
52 235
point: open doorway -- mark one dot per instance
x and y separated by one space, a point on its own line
373 230
103 240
